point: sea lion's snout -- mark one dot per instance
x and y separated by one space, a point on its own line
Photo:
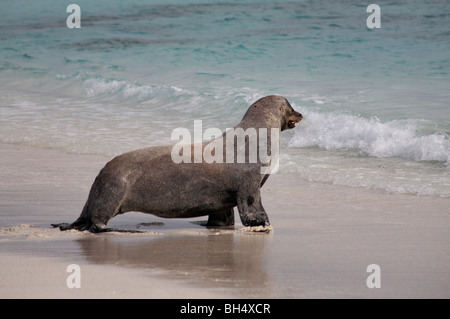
295 118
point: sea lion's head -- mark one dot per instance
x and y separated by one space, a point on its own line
290 115
277 111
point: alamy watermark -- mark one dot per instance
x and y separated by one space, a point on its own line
74 19
74 279
374 279
252 145
374 19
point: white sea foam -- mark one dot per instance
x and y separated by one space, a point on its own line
101 86
392 175
370 136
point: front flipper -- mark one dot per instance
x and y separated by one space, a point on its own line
250 208
221 219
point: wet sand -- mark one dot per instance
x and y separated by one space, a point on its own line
323 240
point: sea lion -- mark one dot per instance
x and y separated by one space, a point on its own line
149 181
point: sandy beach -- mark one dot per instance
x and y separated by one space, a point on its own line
324 238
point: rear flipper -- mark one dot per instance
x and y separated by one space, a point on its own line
63 226
94 228
80 224
105 229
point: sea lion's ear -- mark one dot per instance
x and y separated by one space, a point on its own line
255 105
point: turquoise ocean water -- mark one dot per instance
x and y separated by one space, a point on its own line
376 103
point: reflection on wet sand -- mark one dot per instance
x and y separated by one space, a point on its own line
216 259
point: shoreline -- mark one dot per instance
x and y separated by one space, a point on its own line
324 238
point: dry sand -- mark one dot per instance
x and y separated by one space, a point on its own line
323 239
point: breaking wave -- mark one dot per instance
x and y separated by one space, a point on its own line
406 139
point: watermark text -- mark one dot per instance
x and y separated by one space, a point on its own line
236 145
